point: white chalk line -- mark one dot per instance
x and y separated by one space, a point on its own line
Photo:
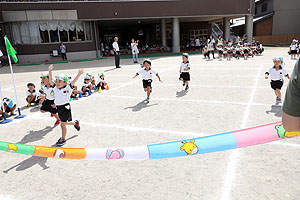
231 168
285 144
186 100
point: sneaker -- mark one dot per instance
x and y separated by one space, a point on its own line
77 125
183 84
57 122
279 100
147 100
29 104
187 87
60 142
51 115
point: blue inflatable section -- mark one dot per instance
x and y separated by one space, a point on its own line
219 142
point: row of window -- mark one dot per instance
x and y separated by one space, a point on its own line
39 32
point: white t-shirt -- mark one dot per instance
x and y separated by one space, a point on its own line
185 66
134 48
116 46
62 95
100 81
197 41
293 46
210 44
277 75
147 75
86 84
49 92
34 93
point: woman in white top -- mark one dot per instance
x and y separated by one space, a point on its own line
135 50
211 46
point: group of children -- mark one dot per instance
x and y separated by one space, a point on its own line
55 95
229 50
294 49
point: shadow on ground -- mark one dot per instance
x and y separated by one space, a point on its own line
140 106
276 110
182 93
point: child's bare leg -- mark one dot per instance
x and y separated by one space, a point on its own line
278 93
63 130
148 92
187 83
13 110
56 116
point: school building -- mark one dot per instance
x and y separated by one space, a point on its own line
275 21
36 28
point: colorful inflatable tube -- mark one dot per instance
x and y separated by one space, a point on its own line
220 142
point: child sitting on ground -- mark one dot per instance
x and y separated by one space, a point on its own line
87 86
101 82
7 106
33 97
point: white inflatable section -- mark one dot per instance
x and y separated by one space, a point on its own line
126 153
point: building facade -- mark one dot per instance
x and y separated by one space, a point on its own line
37 28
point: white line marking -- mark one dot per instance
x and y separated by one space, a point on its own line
188 100
230 172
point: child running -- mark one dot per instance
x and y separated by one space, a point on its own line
62 93
185 70
48 90
147 74
276 74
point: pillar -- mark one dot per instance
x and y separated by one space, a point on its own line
96 35
163 33
176 35
226 28
249 27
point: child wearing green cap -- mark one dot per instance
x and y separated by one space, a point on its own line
101 82
147 74
185 71
48 90
62 93
87 85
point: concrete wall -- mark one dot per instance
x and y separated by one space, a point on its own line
286 17
259 6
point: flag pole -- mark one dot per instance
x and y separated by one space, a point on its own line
13 79
4 121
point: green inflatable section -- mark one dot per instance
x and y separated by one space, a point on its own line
17 148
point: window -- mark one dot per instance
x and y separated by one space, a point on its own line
201 34
264 7
37 32
157 32
255 10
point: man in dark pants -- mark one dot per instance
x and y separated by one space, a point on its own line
291 105
116 52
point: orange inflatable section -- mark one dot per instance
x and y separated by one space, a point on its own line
54 152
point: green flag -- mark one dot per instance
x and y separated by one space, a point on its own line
10 50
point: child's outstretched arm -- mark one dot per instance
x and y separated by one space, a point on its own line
266 75
80 72
135 75
50 75
158 77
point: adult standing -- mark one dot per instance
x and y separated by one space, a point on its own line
211 46
197 41
135 50
63 51
116 52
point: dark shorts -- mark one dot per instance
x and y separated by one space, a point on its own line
64 113
102 85
220 51
276 85
238 53
246 51
86 89
185 76
293 52
147 83
46 106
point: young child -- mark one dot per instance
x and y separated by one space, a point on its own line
48 90
276 74
62 93
101 82
8 105
237 51
205 52
220 47
147 74
32 96
246 51
293 49
87 86
185 70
